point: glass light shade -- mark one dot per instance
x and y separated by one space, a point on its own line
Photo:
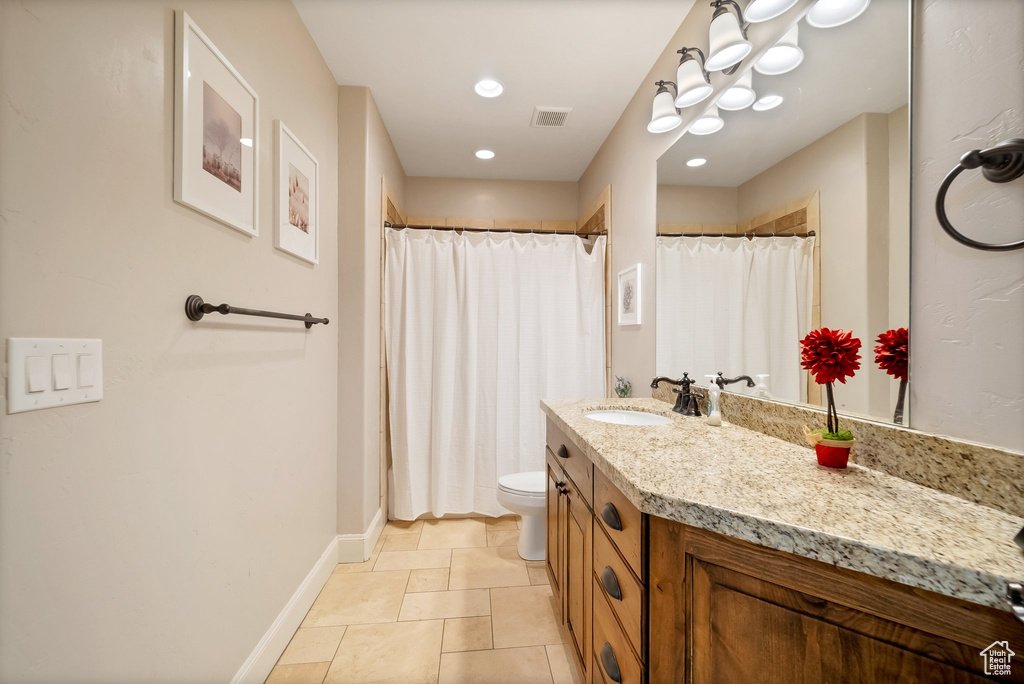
767 102
782 57
740 96
708 124
726 42
664 116
763 10
830 13
693 86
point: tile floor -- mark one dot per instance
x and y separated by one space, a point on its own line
440 601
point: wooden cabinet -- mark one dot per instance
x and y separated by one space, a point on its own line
570 540
651 601
725 611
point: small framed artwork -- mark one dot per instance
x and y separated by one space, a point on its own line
216 119
297 193
629 296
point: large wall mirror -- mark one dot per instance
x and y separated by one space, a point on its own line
793 217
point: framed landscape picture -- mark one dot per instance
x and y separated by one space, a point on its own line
629 296
216 119
297 194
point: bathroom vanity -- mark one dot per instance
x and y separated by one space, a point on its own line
689 553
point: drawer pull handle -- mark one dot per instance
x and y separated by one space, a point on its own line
611 583
562 452
611 517
609 663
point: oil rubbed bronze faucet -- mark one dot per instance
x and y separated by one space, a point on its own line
722 382
686 403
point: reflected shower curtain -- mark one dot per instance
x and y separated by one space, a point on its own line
735 305
478 328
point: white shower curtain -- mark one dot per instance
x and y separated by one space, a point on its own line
478 328
735 305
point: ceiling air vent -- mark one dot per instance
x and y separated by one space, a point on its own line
550 117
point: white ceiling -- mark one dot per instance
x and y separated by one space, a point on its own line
421 60
859 67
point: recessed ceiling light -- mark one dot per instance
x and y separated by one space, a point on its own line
699 161
767 102
484 154
488 88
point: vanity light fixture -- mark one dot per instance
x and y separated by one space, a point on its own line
488 87
727 37
763 10
699 161
692 79
740 96
664 115
484 154
767 102
782 57
710 123
831 13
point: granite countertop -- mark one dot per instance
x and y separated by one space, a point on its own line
764 490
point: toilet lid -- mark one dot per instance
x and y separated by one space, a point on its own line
533 482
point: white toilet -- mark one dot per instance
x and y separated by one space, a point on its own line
524 493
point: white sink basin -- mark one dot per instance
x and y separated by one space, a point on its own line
627 418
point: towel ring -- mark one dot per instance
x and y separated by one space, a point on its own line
1000 164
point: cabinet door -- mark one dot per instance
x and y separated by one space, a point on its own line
745 629
578 584
555 532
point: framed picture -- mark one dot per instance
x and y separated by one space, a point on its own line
297 193
629 296
216 119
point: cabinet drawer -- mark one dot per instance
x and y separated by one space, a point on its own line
621 520
576 464
611 648
623 591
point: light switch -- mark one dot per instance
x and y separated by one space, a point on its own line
86 370
37 373
61 372
50 368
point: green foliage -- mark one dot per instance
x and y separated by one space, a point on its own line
839 435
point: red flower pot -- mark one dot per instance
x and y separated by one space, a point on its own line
832 456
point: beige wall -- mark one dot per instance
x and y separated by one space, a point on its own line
366 154
849 168
157 534
967 320
690 204
627 161
491 199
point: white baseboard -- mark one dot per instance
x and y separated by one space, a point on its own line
356 548
263 658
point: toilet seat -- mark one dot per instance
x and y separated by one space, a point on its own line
532 483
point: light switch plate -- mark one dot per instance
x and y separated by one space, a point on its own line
65 365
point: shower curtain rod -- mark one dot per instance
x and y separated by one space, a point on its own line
388 224
746 235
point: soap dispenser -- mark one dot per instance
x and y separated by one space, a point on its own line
714 405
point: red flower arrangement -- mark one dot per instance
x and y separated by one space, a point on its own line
891 355
830 355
